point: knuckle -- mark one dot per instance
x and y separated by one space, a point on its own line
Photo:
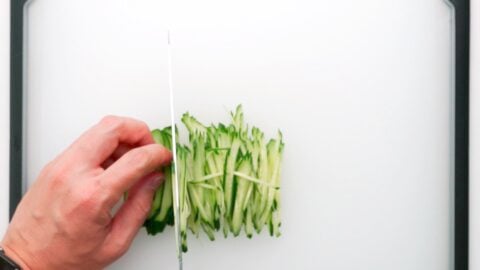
84 198
106 196
48 167
141 208
141 158
143 125
159 150
120 251
97 197
116 249
47 171
112 123
109 120
87 198
80 205
54 174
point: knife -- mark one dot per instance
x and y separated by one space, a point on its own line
175 183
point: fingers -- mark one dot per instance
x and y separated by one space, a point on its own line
132 166
121 150
132 214
99 143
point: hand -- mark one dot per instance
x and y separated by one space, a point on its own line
65 220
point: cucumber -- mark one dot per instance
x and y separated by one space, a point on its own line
229 180
229 168
240 194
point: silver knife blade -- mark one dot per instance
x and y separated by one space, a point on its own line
175 183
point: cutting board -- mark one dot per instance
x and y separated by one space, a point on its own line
362 91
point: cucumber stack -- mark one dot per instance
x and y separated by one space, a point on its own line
229 178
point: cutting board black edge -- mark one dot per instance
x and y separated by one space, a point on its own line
462 141
462 91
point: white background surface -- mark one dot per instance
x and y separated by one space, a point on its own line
364 110
202 83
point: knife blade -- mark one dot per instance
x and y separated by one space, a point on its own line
175 183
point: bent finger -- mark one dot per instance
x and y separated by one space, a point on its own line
99 142
134 165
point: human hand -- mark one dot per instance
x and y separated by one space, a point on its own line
65 220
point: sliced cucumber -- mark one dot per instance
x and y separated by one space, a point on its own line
229 180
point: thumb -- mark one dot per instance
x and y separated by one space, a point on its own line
132 214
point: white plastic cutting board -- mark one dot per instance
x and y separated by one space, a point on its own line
360 89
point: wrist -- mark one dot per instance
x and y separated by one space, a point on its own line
15 257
